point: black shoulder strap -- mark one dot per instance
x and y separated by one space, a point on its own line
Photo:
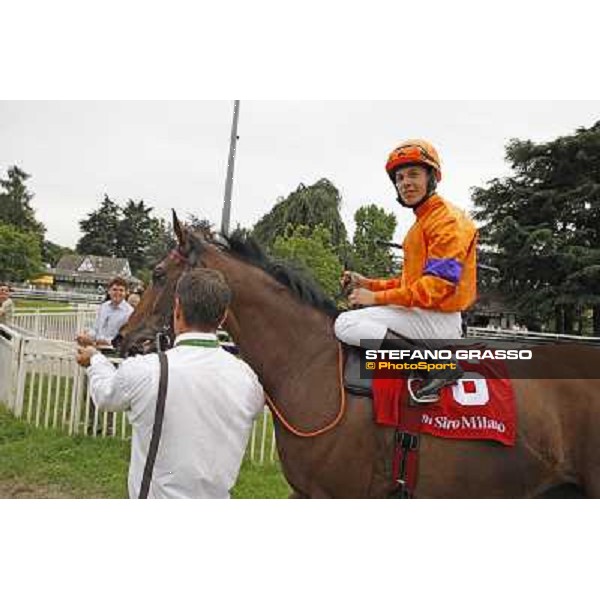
157 429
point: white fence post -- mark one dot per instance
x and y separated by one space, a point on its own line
54 325
36 323
80 316
41 382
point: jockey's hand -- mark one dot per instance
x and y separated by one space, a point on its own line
361 296
352 278
84 355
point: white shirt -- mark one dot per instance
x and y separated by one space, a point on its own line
111 317
212 401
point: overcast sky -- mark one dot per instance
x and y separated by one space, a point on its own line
174 154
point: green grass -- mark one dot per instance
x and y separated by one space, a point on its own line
37 462
24 305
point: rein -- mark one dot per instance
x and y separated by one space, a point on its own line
336 420
180 258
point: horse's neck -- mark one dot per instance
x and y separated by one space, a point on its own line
278 335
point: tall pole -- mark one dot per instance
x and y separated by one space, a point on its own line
225 218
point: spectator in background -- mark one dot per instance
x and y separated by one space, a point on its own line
112 315
133 299
6 304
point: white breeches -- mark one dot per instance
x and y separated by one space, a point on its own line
372 323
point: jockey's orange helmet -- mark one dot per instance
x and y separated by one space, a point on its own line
414 152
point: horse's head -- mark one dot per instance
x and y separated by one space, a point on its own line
154 314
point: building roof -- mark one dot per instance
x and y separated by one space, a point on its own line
101 265
91 268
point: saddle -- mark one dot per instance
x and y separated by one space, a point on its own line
353 382
358 385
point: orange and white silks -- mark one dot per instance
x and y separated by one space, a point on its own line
440 261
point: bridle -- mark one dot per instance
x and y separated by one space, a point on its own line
164 337
181 259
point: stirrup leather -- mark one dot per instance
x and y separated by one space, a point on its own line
430 398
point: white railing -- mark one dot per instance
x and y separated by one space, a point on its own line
41 383
57 296
536 337
54 325
10 352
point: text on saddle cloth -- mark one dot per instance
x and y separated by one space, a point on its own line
479 406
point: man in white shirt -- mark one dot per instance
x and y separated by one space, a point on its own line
112 315
211 402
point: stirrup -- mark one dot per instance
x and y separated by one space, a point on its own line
429 399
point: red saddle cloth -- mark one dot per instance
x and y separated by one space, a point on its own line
480 406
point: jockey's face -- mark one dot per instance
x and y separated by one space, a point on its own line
411 183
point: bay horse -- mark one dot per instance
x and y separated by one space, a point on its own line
328 443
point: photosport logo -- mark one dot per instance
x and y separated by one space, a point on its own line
438 355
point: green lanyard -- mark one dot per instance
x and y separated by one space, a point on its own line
199 343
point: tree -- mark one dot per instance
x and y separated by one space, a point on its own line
100 230
127 232
162 240
52 253
20 256
373 225
15 207
313 253
542 227
313 206
198 224
135 233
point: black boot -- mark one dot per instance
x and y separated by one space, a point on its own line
433 381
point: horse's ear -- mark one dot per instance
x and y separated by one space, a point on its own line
179 230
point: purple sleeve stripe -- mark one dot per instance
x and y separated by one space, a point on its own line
444 268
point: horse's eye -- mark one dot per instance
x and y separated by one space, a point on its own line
158 275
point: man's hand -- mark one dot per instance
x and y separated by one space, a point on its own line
84 355
83 339
361 296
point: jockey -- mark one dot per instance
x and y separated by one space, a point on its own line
438 278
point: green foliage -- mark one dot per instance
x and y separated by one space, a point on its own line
15 208
311 206
135 233
197 224
16 211
373 225
20 256
52 253
129 232
542 227
100 230
313 252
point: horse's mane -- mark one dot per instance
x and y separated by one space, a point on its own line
242 245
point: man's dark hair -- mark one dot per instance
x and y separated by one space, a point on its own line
204 297
118 281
